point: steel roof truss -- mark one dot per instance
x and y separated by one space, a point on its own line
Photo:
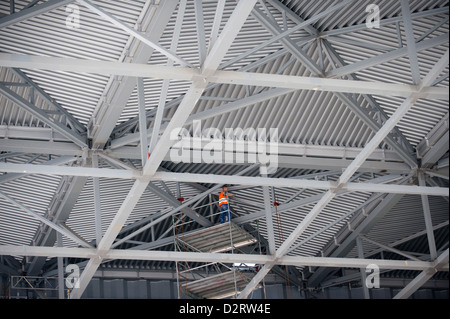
211 63
61 128
347 174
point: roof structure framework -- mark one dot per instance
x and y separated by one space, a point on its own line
327 120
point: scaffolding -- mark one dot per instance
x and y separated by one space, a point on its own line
225 280
42 287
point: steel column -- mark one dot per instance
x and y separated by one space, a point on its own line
142 121
428 221
97 202
410 42
362 270
269 220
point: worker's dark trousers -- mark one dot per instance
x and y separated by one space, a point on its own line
225 214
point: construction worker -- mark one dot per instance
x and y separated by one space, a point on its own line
223 206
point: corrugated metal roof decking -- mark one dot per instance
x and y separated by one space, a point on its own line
302 117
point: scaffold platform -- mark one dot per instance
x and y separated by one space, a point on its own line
218 238
219 286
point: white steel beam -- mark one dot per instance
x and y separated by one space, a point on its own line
216 25
410 42
299 183
57 161
324 84
69 170
18 250
284 149
427 218
200 25
301 162
97 202
228 77
32 133
394 189
283 161
142 121
98 67
222 179
269 220
435 144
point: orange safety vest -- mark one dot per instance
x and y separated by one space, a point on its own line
223 199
